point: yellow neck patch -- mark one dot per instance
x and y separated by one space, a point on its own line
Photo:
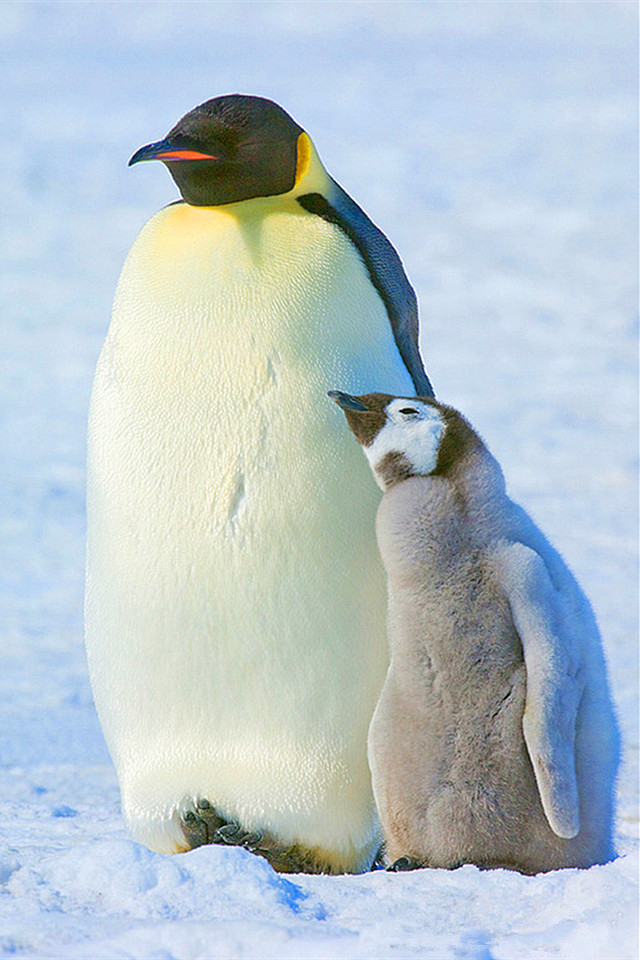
303 157
311 177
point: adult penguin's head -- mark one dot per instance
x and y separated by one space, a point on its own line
229 149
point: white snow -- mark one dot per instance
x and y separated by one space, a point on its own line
495 143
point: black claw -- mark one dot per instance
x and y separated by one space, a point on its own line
231 833
199 827
234 835
404 863
194 829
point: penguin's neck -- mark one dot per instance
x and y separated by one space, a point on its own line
474 483
239 238
436 517
478 484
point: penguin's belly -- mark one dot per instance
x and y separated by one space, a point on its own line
235 603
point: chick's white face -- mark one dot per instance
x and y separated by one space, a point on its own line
412 429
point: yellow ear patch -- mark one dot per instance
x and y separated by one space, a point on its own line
303 157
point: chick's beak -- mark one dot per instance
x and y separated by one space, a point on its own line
164 150
346 401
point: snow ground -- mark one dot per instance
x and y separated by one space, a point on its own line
496 144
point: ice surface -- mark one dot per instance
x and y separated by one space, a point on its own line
495 143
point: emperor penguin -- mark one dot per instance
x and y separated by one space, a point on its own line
494 740
235 624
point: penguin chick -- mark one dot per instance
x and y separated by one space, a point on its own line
494 740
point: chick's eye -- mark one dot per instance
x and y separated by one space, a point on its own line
409 411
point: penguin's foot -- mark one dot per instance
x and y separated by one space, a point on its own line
204 825
284 859
404 863
201 825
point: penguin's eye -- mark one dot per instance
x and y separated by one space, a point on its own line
409 412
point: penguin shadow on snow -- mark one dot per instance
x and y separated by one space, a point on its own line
494 740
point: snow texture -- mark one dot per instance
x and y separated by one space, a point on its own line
495 144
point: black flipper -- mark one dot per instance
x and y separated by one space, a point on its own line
385 270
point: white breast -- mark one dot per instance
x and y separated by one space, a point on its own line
235 604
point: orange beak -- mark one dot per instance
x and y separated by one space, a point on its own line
164 150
